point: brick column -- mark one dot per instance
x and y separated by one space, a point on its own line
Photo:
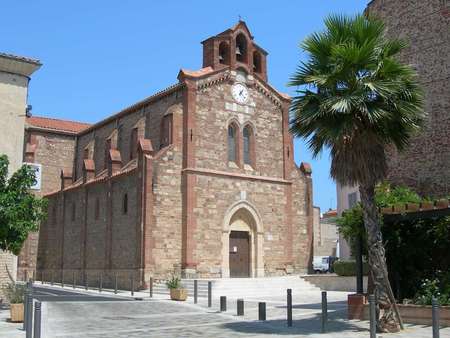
188 179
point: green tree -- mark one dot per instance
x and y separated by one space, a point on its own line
355 98
20 211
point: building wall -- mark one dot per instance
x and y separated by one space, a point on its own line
425 26
54 152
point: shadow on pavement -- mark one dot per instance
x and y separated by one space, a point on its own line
306 326
316 306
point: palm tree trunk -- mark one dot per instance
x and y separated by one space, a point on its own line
387 313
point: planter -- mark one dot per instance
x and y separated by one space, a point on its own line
178 294
16 311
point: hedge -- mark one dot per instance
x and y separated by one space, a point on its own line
348 268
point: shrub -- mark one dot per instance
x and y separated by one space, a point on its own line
348 268
174 283
14 293
429 289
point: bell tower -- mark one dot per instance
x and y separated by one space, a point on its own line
235 48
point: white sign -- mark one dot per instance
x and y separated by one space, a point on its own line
38 175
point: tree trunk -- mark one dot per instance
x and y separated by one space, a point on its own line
388 318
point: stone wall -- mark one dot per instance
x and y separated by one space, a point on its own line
425 26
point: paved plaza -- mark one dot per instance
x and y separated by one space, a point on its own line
122 316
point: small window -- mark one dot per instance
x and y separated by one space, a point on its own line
248 145
73 211
125 204
97 208
166 131
133 143
107 149
86 153
232 143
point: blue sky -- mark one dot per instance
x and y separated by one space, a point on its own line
101 56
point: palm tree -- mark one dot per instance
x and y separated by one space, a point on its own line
356 99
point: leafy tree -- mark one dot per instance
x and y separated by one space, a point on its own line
20 211
355 98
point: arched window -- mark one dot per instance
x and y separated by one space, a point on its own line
241 48
133 143
125 204
224 53
248 145
257 62
232 143
166 131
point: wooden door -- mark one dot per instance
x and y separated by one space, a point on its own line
239 254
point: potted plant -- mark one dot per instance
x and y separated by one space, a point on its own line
177 292
14 293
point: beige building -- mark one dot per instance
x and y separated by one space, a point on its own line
15 72
325 233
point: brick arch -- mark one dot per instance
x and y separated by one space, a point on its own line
252 218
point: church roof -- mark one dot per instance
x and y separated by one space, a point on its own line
65 126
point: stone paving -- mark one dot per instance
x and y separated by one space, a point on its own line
165 318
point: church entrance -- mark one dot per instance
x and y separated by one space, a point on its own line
239 254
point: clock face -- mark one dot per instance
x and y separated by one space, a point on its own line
240 92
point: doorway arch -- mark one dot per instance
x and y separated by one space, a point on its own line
243 217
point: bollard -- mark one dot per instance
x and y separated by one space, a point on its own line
26 275
100 282
62 278
86 282
115 283
435 317
25 308
37 320
289 307
209 293
195 291
261 311
372 317
223 303
151 287
324 311
240 307
42 277
132 285
29 317
51 280
34 272
73 280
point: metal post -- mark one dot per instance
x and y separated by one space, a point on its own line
86 281
261 311
25 308
151 287
115 283
324 311
373 317
29 316
26 275
289 307
209 293
240 307
37 320
223 303
132 285
34 272
42 277
73 280
359 265
435 317
195 291
62 278
51 280
100 282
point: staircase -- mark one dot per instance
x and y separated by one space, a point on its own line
244 287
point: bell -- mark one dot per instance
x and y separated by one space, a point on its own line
238 51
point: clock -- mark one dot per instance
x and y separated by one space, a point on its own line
240 93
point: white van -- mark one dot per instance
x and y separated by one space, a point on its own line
321 264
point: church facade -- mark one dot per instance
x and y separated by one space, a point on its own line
198 180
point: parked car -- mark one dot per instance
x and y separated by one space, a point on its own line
322 264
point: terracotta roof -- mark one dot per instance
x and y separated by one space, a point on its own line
65 126
330 213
